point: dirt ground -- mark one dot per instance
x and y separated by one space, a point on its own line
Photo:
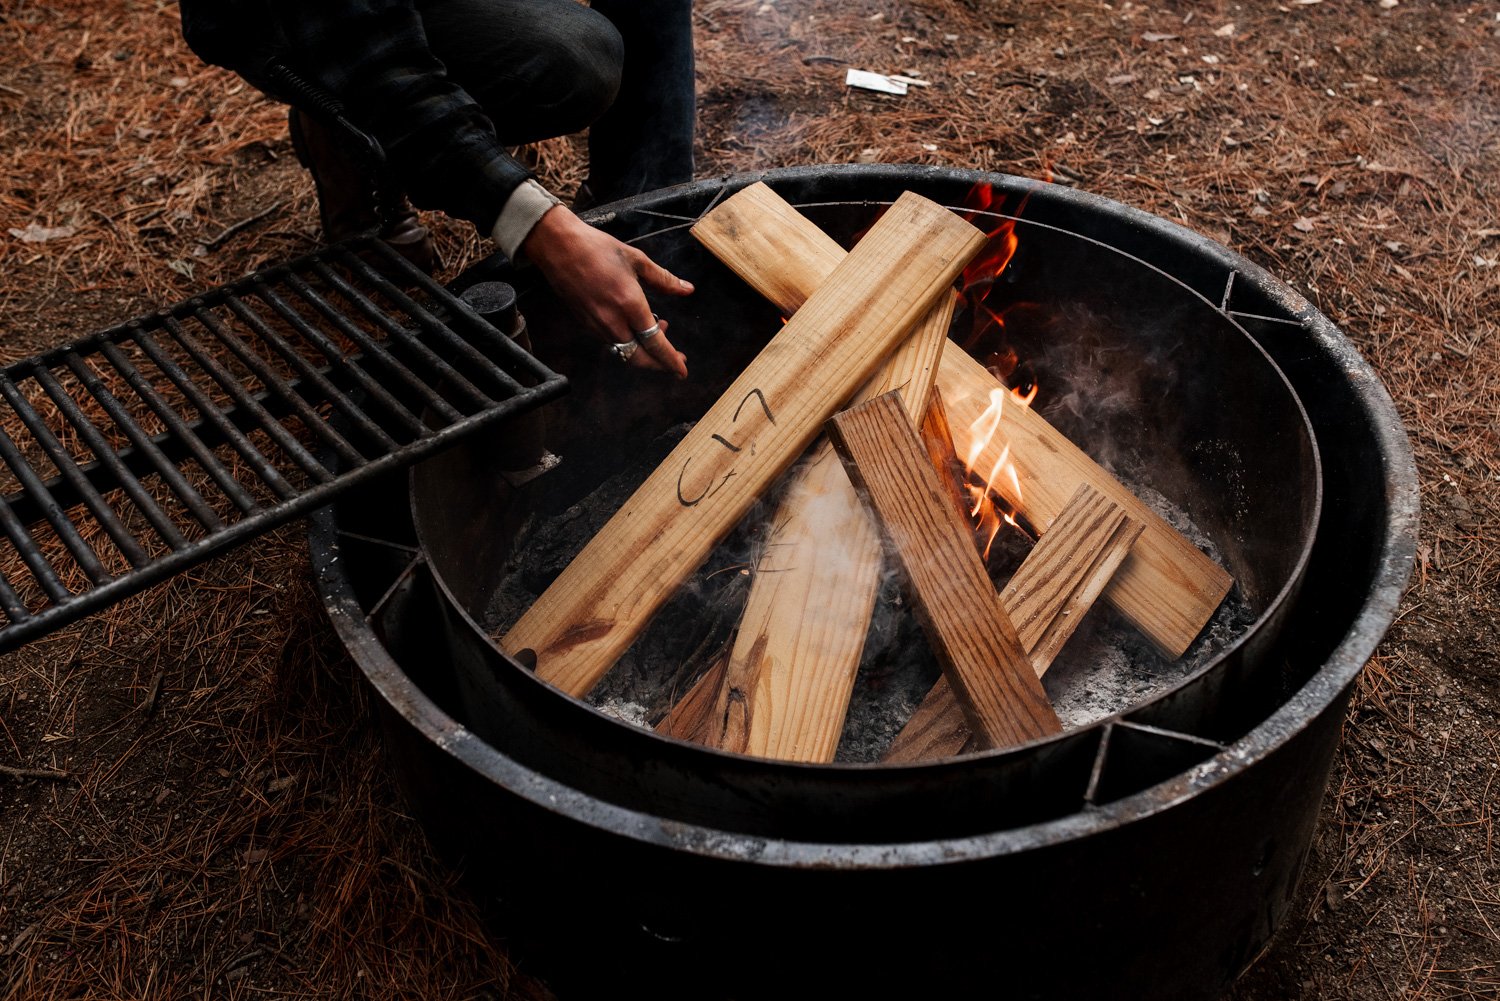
194 800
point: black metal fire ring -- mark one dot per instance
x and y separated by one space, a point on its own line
1184 855
698 785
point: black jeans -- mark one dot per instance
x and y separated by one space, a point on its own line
543 68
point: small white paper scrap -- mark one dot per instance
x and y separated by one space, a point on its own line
865 80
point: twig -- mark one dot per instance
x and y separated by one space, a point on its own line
242 225
12 90
51 774
149 706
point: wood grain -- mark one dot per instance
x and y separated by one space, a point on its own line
787 686
966 626
937 438
600 603
1046 599
785 690
691 716
1168 588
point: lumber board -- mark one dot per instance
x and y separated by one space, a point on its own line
603 599
1167 588
1046 598
785 690
966 625
690 716
937 438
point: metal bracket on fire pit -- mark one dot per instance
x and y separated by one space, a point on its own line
154 445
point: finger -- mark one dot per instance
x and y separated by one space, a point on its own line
658 352
658 278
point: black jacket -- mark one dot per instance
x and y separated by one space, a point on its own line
372 57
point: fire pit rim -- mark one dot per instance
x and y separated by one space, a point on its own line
902 175
1393 567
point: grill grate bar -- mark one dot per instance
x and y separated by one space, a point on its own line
241 396
463 317
169 473
31 555
372 349
107 455
280 387
263 467
342 366
446 373
32 483
10 603
245 407
412 423
184 433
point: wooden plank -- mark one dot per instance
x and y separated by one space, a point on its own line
1168 588
1046 599
785 691
967 627
1069 568
600 603
937 438
690 717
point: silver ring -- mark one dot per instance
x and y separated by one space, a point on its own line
623 351
649 332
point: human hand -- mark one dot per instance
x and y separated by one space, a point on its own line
604 282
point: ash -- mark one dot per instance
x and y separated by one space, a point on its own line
626 712
1106 668
687 635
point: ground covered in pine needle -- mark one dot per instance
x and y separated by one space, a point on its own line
193 798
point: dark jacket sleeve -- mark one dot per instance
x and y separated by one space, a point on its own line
372 56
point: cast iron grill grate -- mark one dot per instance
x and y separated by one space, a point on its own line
154 445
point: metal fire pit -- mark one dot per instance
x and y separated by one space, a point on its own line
1151 855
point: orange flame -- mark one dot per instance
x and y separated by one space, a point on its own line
987 507
979 278
978 282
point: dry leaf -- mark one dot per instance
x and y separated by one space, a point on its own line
1225 31
1157 36
1120 79
35 233
1303 224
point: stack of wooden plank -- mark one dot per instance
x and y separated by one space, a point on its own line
863 354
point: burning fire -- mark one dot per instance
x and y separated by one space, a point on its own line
987 507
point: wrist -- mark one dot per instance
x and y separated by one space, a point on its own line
527 206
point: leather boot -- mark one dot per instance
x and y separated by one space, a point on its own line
346 196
